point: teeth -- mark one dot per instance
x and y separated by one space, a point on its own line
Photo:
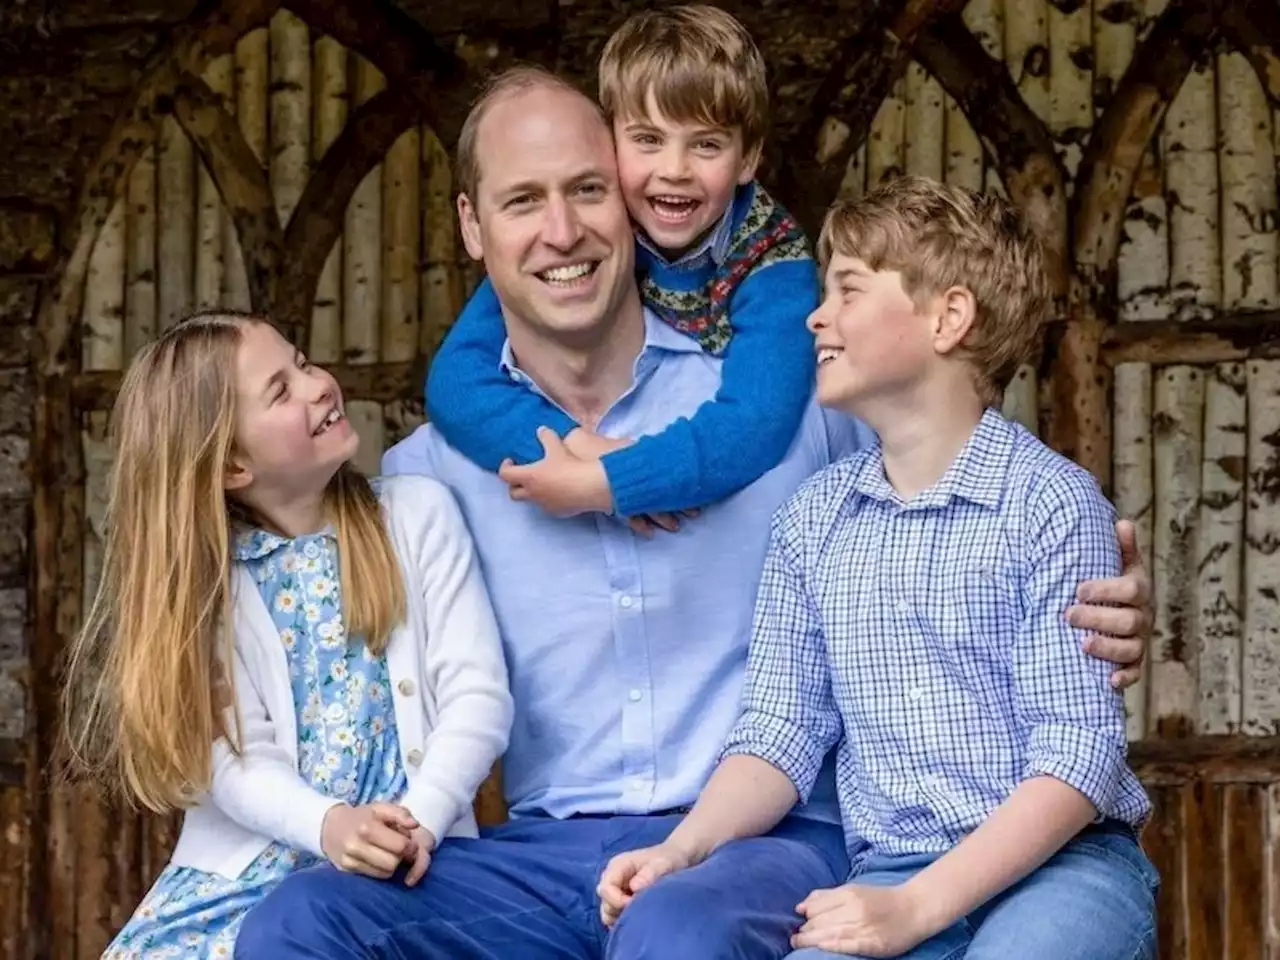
826 354
333 417
675 201
566 274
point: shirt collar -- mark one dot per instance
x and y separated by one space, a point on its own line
976 474
257 544
715 244
659 338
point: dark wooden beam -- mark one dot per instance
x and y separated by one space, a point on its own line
241 182
377 382
1242 336
317 219
1010 130
408 54
1104 181
1232 759
1253 28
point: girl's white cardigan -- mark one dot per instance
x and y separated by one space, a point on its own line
449 681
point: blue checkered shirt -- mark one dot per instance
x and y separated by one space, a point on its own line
929 640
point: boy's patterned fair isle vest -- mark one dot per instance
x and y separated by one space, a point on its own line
766 234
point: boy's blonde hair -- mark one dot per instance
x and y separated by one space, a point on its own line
939 236
700 64
148 688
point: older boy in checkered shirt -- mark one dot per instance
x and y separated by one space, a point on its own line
911 612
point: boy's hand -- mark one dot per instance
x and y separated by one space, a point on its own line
423 846
560 483
589 445
371 839
629 873
864 920
1117 612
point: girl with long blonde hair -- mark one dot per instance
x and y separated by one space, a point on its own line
303 661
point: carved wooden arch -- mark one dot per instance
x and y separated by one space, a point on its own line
1082 234
283 263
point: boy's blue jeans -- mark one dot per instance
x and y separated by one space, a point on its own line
526 890
1093 900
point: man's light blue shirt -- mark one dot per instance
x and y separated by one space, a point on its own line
626 655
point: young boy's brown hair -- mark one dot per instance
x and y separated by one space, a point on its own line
939 236
698 62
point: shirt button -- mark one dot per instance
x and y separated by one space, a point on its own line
635 695
916 693
638 784
626 602
406 687
415 756
902 606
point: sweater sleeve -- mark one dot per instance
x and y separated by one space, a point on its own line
464 667
260 788
747 429
477 408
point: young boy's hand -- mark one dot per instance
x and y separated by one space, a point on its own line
864 920
590 445
560 483
629 873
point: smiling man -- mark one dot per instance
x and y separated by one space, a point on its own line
626 654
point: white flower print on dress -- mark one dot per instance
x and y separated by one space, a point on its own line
347 749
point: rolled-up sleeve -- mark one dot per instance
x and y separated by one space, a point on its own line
1072 717
789 717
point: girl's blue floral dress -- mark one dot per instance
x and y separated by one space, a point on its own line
347 748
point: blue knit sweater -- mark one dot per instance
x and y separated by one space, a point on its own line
750 307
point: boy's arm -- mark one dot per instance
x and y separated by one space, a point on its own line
730 442
789 719
477 408
1067 708
775 751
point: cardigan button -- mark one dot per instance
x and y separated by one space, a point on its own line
406 687
415 757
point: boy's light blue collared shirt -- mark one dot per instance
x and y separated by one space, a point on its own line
929 640
626 655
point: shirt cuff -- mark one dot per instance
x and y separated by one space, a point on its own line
1085 759
782 743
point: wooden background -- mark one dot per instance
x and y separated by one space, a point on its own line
295 158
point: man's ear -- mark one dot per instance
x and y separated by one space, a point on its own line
469 224
957 310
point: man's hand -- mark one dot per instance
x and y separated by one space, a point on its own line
870 921
629 873
423 846
560 483
646 524
1120 631
371 839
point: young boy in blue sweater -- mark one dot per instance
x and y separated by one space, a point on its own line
684 89
910 615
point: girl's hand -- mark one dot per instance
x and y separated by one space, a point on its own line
863 920
371 839
424 845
